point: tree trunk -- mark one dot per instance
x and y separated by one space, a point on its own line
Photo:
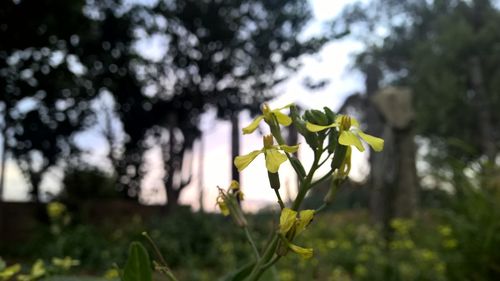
406 192
35 179
170 164
483 110
3 161
379 189
235 144
174 156
201 174
394 175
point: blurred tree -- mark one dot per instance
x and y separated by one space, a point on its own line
83 182
39 77
52 67
222 54
446 52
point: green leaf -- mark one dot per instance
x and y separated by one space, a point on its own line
138 266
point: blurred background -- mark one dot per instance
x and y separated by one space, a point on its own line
129 113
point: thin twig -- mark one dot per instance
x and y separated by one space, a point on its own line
280 201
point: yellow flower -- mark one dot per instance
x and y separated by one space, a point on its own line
37 271
111 274
66 263
268 115
291 226
274 158
7 272
306 253
350 134
55 210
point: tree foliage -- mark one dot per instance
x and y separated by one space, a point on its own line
446 51
225 55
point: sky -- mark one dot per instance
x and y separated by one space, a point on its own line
331 63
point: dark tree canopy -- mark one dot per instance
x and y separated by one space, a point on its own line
43 98
225 55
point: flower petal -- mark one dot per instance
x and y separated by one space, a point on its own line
354 122
287 220
376 143
305 218
349 138
316 128
253 126
306 253
242 161
282 118
274 159
289 148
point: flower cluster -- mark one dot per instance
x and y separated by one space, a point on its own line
326 133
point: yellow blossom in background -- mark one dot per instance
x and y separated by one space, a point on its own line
7 272
37 271
65 263
55 210
111 274
274 158
267 115
349 133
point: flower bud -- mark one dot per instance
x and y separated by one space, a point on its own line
319 117
268 141
300 125
333 137
339 156
298 166
265 109
274 180
234 186
228 205
330 115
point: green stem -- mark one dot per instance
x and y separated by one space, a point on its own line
306 184
323 178
275 131
320 208
280 201
271 262
252 242
326 159
258 269
166 270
